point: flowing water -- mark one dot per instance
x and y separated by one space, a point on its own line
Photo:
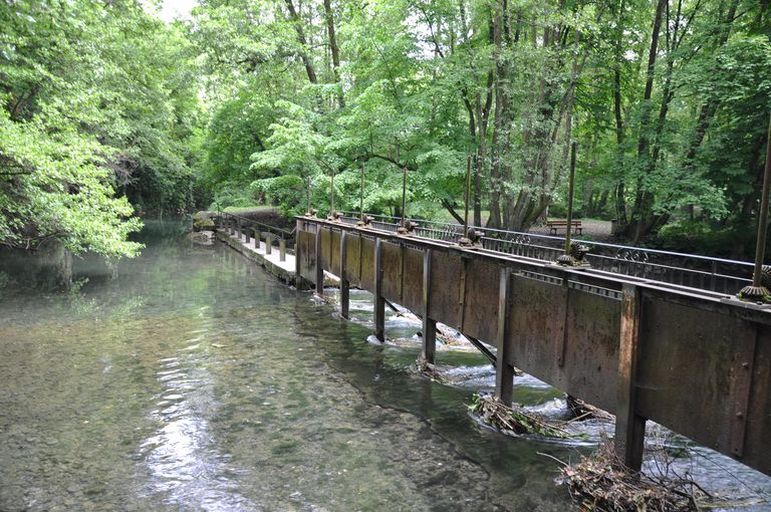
188 379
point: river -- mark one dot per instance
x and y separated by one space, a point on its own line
188 379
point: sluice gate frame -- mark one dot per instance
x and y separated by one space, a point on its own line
695 361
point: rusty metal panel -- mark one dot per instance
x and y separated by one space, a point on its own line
352 259
536 322
591 347
688 366
326 253
305 247
757 439
392 271
444 305
412 292
367 264
481 299
334 253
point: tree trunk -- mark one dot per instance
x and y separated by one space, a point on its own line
644 198
309 69
333 47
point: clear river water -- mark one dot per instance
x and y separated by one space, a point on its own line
188 379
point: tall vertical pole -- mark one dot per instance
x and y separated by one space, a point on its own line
361 194
332 194
571 188
757 291
466 196
309 194
466 193
404 195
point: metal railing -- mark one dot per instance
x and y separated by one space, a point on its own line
691 270
273 236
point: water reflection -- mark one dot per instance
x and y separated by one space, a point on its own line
193 381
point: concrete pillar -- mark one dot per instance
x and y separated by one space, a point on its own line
504 373
428 349
379 301
247 238
630 428
268 243
282 250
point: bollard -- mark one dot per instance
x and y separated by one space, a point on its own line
282 250
268 248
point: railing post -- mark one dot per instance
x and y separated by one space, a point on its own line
282 249
345 285
238 228
268 243
630 428
256 237
379 301
504 373
428 347
247 238
317 256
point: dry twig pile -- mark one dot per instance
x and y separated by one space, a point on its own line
513 420
601 482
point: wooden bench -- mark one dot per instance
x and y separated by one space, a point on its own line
554 225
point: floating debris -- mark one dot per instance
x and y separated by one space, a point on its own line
429 370
515 420
581 410
602 482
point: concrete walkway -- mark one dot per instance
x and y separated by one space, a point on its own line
284 270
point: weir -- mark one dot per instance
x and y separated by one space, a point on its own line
695 361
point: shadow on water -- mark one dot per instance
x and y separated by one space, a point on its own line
190 380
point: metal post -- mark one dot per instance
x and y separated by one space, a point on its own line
282 249
428 350
379 301
332 200
630 428
757 291
567 259
504 372
404 195
361 195
344 283
466 196
465 240
317 256
309 212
